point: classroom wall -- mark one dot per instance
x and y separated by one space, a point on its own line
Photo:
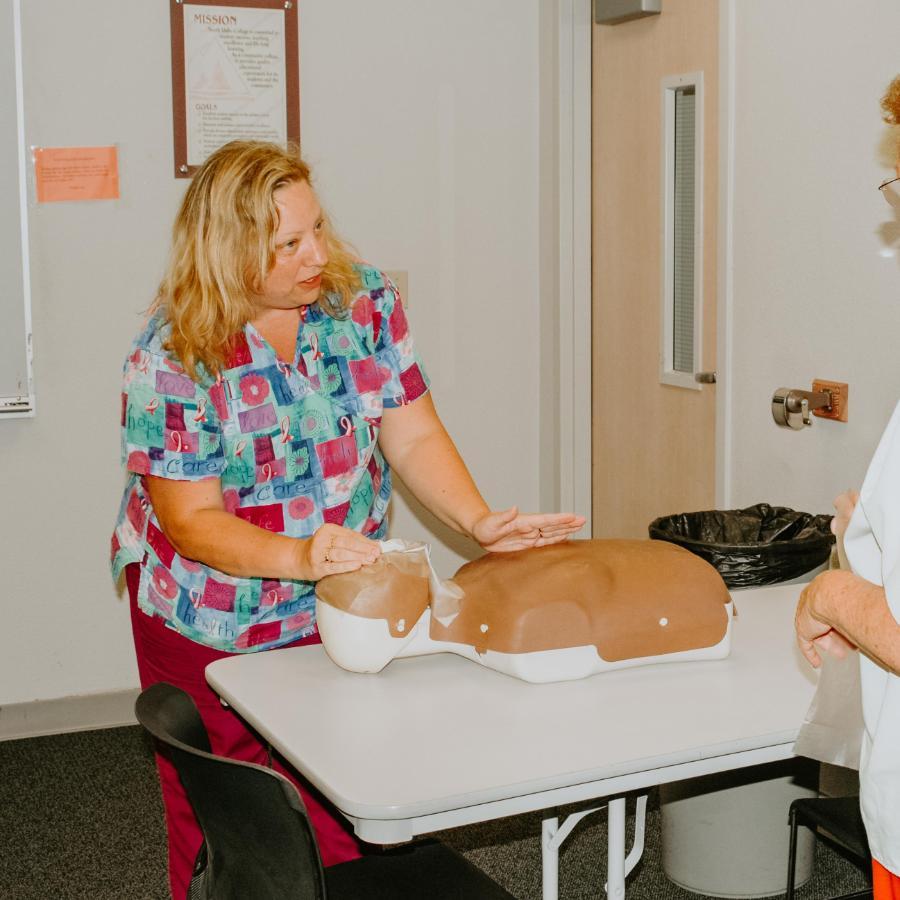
425 141
816 271
431 148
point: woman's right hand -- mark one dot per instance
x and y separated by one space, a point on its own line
332 550
814 635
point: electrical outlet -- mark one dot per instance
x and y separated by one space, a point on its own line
838 391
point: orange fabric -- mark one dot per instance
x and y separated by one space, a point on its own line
885 884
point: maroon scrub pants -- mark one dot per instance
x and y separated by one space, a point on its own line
165 655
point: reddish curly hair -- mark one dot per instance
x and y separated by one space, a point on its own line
890 103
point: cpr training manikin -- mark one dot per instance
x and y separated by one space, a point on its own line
554 613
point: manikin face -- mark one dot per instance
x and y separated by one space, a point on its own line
295 278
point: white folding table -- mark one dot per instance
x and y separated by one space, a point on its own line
436 742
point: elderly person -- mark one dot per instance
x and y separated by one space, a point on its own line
841 609
266 403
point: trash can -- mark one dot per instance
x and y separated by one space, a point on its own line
727 835
752 547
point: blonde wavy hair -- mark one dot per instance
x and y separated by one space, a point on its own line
223 246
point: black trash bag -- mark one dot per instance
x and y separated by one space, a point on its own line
750 547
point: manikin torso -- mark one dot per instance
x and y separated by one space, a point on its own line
554 613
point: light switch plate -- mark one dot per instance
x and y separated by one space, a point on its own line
400 277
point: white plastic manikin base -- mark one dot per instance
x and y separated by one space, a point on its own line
363 643
366 645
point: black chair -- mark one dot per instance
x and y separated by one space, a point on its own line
258 841
840 820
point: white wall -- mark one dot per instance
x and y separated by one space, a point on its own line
434 169
94 266
429 142
816 275
422 122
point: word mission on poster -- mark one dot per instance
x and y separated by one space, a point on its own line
235 78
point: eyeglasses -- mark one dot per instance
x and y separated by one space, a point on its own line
891 191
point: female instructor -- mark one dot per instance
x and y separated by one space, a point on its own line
265 405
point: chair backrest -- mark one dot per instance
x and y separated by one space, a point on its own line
259 841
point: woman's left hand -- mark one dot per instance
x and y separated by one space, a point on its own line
508 530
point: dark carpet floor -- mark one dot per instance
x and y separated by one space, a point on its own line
81 817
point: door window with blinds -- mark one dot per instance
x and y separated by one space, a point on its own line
682 231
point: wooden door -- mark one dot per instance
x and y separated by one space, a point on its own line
653 443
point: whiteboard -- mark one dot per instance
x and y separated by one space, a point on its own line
16 387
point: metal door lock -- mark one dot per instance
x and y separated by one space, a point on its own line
792 408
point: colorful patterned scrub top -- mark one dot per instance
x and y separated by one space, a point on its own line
294 446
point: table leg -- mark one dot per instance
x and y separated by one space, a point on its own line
552 836
615 858
550 858
618 865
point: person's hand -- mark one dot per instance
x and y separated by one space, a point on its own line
844 504
814 635
508 530
333 549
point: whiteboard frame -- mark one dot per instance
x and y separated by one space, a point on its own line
23 404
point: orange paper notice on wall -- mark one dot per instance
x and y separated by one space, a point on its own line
76 173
